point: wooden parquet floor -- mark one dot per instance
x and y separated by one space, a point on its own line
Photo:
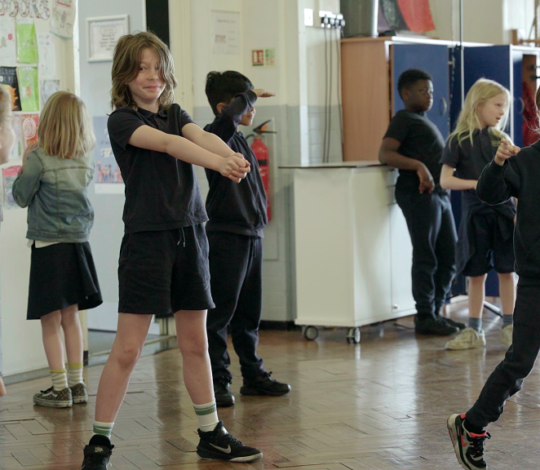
378 405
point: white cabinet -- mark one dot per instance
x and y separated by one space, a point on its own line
353 253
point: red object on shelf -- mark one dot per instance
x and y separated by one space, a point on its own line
417 15
261 153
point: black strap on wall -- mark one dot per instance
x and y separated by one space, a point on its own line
157 19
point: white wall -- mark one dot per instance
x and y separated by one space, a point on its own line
21 339
489 21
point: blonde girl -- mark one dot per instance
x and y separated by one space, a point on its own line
485 238
53 185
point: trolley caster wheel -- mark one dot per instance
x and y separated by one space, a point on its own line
311 332
353 337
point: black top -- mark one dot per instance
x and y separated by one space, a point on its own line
236 208
421 140
519 177
162 192
469 159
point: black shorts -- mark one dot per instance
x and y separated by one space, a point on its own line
165 271
61 275
491 250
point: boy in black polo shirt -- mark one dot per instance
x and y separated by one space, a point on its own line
414 145
237 217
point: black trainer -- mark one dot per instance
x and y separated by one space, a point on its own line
220 445
432 326
468 446
451 322
223 394
264 385
97 453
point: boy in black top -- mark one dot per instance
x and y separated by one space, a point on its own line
505 177
414 145
237 217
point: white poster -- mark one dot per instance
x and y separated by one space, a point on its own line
63 18
103 34
225 32
47 56
8 52
47 88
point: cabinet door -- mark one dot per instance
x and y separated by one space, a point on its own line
401 261
434 60
518 105
493 62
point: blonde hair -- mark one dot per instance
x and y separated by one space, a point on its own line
5 106
126 62
468 121
65 129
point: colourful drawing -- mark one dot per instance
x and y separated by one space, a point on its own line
27 48
28 87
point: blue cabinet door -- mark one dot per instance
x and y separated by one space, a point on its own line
434 60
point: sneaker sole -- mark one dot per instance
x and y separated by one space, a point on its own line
80 401
212 456
53 404
455 442
265 393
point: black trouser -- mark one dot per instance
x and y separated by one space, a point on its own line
433 236
236 280
507 378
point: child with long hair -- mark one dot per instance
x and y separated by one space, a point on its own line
7 138
53 185
163 265
512 173
485 238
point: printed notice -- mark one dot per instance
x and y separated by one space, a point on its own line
225 32
107 176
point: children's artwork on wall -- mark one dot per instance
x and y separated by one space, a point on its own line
27 50
8 78
107 177
47 56
63 18
8 52
28 87
48 87
29 125
18 146
10 174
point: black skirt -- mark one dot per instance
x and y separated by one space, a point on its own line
62 275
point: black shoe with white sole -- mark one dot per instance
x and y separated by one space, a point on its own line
220 445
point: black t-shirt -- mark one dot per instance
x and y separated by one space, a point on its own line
421 140
469 159
162 192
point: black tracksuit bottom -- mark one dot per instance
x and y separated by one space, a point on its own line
236 281
433 236
507 378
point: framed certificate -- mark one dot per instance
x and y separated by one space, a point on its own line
103 34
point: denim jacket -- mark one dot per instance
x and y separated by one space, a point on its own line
55 192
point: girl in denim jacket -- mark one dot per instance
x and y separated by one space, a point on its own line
53 185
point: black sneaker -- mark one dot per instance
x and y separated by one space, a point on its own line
97 453
220 445
451 322
264 385
468 446
223 394
432 326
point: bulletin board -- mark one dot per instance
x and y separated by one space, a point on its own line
28 70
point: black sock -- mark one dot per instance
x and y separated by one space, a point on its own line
472 428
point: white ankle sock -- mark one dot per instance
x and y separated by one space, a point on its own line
59 379
103 429
75 374
207 416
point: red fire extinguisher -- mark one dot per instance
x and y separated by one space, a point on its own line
261 153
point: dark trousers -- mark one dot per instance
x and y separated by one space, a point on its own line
507 378
433 235
236 280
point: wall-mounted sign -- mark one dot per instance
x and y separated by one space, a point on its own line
263 57
103 34
26 8
225 32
